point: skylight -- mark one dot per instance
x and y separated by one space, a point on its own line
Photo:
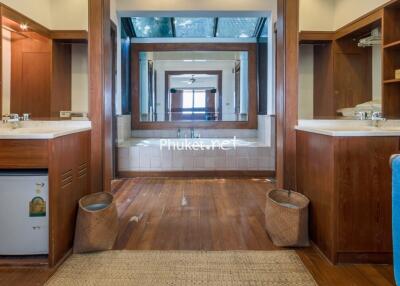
200 27
194 27
237 27
157 27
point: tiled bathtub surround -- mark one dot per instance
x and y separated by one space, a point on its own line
146 155
204 133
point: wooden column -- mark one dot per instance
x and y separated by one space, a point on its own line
100 82
287 91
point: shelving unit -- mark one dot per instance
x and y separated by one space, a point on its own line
391 81
391 61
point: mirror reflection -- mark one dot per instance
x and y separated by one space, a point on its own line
44 77
194 86
342 78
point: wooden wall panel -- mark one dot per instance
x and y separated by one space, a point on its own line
31 60
61 94
100 82
352 73
324 103
287 91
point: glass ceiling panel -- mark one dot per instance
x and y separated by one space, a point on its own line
237 27
264 32
157 27
194 27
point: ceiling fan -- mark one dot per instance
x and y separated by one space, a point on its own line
192 80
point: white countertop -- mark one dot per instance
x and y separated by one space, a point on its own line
350 128
43 129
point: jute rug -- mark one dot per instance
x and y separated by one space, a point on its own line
183 268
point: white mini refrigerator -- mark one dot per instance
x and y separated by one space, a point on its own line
24 213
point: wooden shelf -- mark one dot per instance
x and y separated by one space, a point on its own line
393 45
390 81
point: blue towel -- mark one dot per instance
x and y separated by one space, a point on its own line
396 217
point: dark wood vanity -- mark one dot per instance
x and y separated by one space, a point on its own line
67 160
348 181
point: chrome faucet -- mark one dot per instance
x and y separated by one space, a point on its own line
377 117
14 119
362 115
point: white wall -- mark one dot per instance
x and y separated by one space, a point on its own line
80 88
69 15
330 15
347 11
37 10
316 15
54 14
306 82
376 72
6 71
197 5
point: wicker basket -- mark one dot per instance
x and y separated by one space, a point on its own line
97 223
286 218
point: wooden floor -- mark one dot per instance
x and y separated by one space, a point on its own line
205 214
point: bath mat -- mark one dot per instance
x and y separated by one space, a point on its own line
183 268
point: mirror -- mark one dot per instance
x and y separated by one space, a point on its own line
341 78
44 71
193 86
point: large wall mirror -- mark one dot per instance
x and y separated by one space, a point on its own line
206 85
44 70
340 69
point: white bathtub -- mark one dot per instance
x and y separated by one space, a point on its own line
202 154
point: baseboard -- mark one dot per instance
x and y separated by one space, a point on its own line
198 174
356 257
365 257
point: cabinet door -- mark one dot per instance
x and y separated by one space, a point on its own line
363 185
69 181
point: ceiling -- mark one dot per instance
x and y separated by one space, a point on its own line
205 27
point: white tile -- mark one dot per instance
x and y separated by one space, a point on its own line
220 163
231 163
209 163
243 163
177 160
199 163
155 163
188 163
123 159
134 158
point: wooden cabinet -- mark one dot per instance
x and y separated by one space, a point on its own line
348 180
67 160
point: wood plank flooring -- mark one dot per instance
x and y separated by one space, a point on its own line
204 214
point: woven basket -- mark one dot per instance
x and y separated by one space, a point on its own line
286 218
97 223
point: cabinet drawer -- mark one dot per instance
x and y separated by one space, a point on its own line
23 154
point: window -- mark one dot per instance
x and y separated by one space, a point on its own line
194 101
